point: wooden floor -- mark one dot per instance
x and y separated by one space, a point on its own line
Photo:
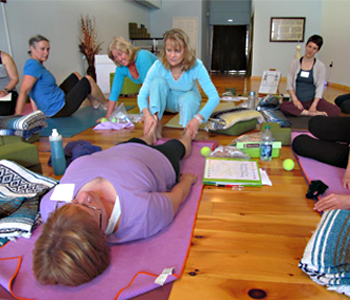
246 244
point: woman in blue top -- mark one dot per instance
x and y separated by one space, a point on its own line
132 62
171 85
53 100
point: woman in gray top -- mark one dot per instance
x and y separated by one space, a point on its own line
8 82
305 84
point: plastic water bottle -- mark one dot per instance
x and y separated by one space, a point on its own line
266 145
58 158
252 100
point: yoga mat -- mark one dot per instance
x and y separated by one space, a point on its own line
81 120
299 122
315 170
174 121
134 266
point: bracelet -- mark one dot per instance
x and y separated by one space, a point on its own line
200 120
6 90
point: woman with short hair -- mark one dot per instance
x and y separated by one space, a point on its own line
53 100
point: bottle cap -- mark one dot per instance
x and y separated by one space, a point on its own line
54 132
251 93
267 127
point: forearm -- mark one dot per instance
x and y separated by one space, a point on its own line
21 100
12 84
181 190
292 95
111 107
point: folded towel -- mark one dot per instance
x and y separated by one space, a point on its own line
75 149
327 255
114 126
20 192
26 134
33 120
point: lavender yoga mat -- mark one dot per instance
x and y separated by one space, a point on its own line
134 266
315 170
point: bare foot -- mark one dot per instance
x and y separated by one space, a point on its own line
320 113
152 135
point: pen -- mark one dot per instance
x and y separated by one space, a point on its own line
228 185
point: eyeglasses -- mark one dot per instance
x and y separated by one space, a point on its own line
95 209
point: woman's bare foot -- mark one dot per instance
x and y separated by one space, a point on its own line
152 135
320 113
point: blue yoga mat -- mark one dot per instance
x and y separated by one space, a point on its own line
81 120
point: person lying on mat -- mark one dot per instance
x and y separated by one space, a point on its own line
305 84
171 85
132 62
53 100
8 82
121 194
331 146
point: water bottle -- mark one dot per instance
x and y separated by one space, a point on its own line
266 145
252 100
58 158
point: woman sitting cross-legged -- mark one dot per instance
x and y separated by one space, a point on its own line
128 192
331 146
305 84
171 85
53 100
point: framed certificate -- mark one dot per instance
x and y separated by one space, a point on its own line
287 29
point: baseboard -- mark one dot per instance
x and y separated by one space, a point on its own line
338 86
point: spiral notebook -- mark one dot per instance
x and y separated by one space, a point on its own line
221 171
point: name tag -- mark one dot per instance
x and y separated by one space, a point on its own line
304 74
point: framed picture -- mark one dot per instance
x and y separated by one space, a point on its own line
287 29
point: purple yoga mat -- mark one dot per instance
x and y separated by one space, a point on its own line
136 263
315 170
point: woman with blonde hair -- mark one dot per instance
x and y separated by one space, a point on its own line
132 62
171 85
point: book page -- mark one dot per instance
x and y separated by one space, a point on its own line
231 170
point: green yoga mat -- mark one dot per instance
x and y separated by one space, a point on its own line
81 120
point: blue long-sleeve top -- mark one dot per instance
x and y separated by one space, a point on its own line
144 60
187 82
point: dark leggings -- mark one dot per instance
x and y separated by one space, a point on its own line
343 101
76 92
332 143
173 149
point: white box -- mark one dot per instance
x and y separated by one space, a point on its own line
104 66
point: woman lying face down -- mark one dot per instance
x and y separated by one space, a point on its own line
118 198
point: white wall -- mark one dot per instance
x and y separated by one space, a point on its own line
266 54
59 21
335 30
162 19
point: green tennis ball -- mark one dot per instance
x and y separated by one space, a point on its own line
114 120
205 151
103 120
288 164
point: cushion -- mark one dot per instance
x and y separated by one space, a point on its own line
234 121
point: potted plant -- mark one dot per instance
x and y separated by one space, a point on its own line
88 43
